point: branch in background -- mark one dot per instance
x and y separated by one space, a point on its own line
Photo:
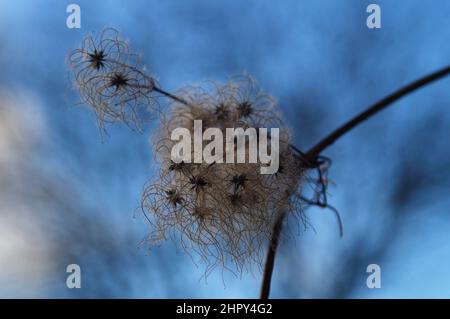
327 141
375 108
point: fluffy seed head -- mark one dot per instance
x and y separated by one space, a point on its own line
112 80
222 211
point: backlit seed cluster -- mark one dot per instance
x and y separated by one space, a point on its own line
112 81
224 212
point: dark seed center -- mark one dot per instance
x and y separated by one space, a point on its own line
198 183
245 109
97 59
222 112
119 81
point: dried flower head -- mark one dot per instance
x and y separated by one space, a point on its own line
224 212
100 53
112 80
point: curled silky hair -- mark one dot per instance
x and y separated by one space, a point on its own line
223 212
112 80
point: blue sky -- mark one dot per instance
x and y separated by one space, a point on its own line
69 196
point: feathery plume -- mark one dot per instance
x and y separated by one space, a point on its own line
222 211
112 80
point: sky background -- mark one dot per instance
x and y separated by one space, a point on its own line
67 195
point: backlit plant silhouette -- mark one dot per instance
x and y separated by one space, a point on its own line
225 213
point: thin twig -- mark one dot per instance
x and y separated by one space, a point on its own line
270 258
170 95
375 108
327 141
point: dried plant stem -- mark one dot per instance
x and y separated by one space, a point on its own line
270 258
327 141
375 108
170 95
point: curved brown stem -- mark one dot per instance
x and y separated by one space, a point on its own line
270 258
375 108
327 141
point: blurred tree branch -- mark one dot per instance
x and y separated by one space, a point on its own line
329 140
